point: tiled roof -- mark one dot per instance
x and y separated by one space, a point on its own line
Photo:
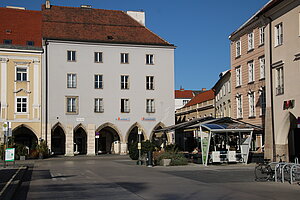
201 97
184 94
20 26
96 25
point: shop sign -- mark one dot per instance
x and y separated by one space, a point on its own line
148 119
289 104
122 119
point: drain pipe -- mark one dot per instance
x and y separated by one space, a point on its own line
46 90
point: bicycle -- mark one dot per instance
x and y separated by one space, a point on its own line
264 172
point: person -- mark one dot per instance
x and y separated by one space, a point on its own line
195 151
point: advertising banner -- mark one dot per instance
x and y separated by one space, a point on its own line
10 154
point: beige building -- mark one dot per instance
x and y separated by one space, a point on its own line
202 105
20 72
283 79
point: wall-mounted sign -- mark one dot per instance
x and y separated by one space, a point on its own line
289 104
148 119
10 154
123 119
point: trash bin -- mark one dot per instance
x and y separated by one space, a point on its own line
149 159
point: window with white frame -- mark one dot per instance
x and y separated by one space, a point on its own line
238 73
98 106
279 81
98 81
262 67
125 106
224 90
251 71
72 105
238 48
239 107
262 99
250 41
261 35
185 101
150 82
71 80
228 86
149 59
21 73
150 106
221 93
21 104
278 34
251 99
124 82
71 55
98 57
124 58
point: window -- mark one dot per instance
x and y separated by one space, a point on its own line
278 34
124 58
71 81
279 81
150 106
125 106
262 99
185 101
71 56
228 86
21 73
238 76
98 57
150 82
149 59
224 90
238 48
262 67
72 105
30 43
124 82
98 78
251 71
239 106
98 108
7 41
261 35
251 104
21 105
250 41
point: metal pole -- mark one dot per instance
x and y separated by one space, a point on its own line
140 146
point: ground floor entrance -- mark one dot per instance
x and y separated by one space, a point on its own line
24 136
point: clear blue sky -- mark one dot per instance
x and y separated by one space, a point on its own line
199 29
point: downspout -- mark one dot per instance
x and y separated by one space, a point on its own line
46 94
271 86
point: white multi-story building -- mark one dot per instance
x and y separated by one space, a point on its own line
107 77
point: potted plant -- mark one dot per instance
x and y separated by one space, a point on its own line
21 151
43 150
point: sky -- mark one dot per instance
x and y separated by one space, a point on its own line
198 28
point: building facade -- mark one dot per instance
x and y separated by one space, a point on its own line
182 97
222 90
282 74
20 72
107 78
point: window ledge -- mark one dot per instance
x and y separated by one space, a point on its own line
251 117
71 113
250 50
261 45
17 81
239 86
237 57
278 45
251 82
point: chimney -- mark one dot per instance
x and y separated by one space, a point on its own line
203 89
15 7
139 16
48 5
86 6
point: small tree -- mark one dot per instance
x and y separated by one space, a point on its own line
146 146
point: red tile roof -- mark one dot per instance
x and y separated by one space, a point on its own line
184 94
20 26
98 25
201 97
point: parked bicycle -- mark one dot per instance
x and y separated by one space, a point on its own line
266 171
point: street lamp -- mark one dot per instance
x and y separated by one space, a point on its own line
140 146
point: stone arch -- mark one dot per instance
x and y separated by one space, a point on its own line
132 134
80 136
58 139
160 138
108 139
25 135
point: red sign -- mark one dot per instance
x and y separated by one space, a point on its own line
289 104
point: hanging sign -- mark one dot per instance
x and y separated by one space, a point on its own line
289 104
205 142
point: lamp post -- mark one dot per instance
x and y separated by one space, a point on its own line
140 146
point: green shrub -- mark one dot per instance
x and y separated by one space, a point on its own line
21 150
42 149
176 158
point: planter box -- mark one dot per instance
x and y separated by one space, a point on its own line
166 162
22 157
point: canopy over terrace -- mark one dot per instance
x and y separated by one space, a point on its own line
221 130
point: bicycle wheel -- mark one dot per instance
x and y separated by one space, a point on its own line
262 172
